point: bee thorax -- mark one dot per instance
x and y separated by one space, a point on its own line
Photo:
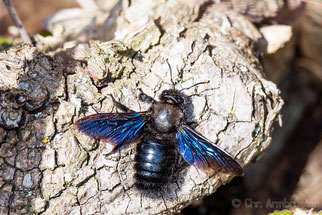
166 117
163 121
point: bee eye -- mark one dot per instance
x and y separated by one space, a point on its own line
164 93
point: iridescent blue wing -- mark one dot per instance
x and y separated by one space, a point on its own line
199 151
115 128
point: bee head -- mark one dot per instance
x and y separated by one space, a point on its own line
172 97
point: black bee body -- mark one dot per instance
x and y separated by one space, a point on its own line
164 136
157 154
156 161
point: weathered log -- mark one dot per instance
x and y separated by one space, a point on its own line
49 167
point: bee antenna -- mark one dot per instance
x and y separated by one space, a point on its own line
199 83
173 84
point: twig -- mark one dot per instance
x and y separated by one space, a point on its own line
313 3
17 21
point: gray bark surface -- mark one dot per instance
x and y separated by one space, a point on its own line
47 167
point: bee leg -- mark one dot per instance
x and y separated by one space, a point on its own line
192 124
121 106
180 166
146 98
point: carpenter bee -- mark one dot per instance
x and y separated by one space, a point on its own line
164 135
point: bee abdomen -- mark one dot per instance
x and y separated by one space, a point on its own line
155 162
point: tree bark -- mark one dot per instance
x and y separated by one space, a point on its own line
49 168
